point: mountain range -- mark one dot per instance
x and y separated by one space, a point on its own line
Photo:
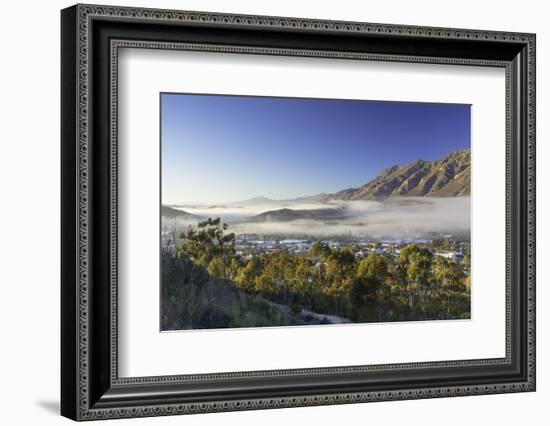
447 177
261 200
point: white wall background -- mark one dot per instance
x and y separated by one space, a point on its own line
29 213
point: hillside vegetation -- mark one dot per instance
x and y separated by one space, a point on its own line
205 284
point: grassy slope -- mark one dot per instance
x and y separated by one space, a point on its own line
191 299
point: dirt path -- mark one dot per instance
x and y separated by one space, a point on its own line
306 315
331 319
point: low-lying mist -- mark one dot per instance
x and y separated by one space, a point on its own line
238 213
395 217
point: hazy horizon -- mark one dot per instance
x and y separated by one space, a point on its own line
394 217
225 149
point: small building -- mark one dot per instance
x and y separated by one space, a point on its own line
455 256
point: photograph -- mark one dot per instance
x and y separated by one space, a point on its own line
264 209
283 211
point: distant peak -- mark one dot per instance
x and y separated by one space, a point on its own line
260 199
390 170
458 152
418 161
448 176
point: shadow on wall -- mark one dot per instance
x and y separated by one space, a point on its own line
50 406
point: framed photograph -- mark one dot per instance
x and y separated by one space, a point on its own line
264 212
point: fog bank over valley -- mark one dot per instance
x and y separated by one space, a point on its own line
393 217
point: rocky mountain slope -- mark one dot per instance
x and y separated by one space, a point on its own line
448 177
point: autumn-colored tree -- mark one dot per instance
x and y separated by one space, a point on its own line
381 287
246 277
320 249
340 271
208 241
450 295
373 266
234 268
467 259
216 268
304 279
276 274
414 267
364 298
373 271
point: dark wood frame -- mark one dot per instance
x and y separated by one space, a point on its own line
90 386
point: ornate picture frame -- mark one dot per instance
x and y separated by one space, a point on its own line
91 37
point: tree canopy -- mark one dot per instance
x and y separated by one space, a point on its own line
411 285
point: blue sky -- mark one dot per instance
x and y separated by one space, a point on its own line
218 149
